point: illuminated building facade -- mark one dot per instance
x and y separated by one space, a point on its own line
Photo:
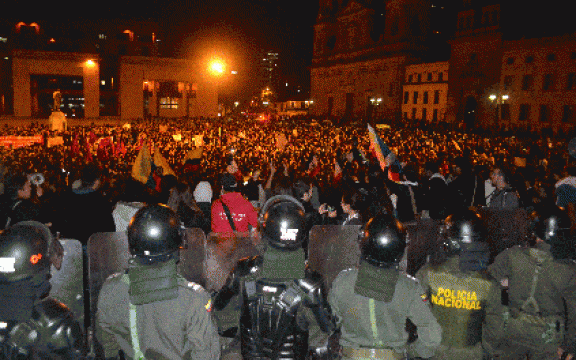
425 91
506 65
107 69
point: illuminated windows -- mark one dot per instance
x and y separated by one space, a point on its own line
169 103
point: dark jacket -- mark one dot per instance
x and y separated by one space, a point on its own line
84 213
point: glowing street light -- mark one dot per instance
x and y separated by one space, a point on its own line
217 67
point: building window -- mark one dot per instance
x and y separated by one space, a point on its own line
425 99
568 113
508 80
548 83
441 76
424 114
169 103
571 81
544 113
429 76
410 77
505 111
435 115
413 113
527 82
419 77
415 100
406 96
524 112
436 96
551 57
405 115
529 59
510 61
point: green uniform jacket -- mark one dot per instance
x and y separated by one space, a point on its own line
458 300
172 329
370 323
556 284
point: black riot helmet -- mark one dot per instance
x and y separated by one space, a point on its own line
383 241
24 251
154 233
283 222
464 231
547 224
552 225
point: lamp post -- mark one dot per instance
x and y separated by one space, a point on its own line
498 99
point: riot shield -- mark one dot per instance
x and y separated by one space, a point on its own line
66 283
333 248
505 228
192 258
223 251
422 240
108 254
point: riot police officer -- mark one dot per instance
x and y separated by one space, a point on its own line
283 309
33 325
457 285
373 301
149 310
538 319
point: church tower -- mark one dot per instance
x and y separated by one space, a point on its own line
361 48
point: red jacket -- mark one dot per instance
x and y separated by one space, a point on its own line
242 212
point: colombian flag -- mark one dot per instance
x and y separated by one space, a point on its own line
385 156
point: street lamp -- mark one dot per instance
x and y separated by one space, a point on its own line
498 100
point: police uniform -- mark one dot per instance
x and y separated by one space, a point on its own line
458 299
150 311
458 285
281 308
376 329
33 325
181 328
540 316
373 302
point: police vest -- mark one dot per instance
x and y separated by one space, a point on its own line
457 303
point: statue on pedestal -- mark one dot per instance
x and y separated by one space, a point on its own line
57 96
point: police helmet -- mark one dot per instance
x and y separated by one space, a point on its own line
464 231
154 233
548 224
283 222
383 241
24 251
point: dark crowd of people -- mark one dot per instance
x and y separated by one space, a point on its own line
219 175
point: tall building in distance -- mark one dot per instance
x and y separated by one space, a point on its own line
270 67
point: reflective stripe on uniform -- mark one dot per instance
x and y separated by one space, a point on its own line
133 325
373 322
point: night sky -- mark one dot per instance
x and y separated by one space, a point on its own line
237 31
241 31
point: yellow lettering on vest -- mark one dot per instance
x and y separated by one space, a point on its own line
434 299
448 302
440 301
458 304
478 307
440 291
473 296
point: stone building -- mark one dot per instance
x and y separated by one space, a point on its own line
425 91
508 66
361 49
